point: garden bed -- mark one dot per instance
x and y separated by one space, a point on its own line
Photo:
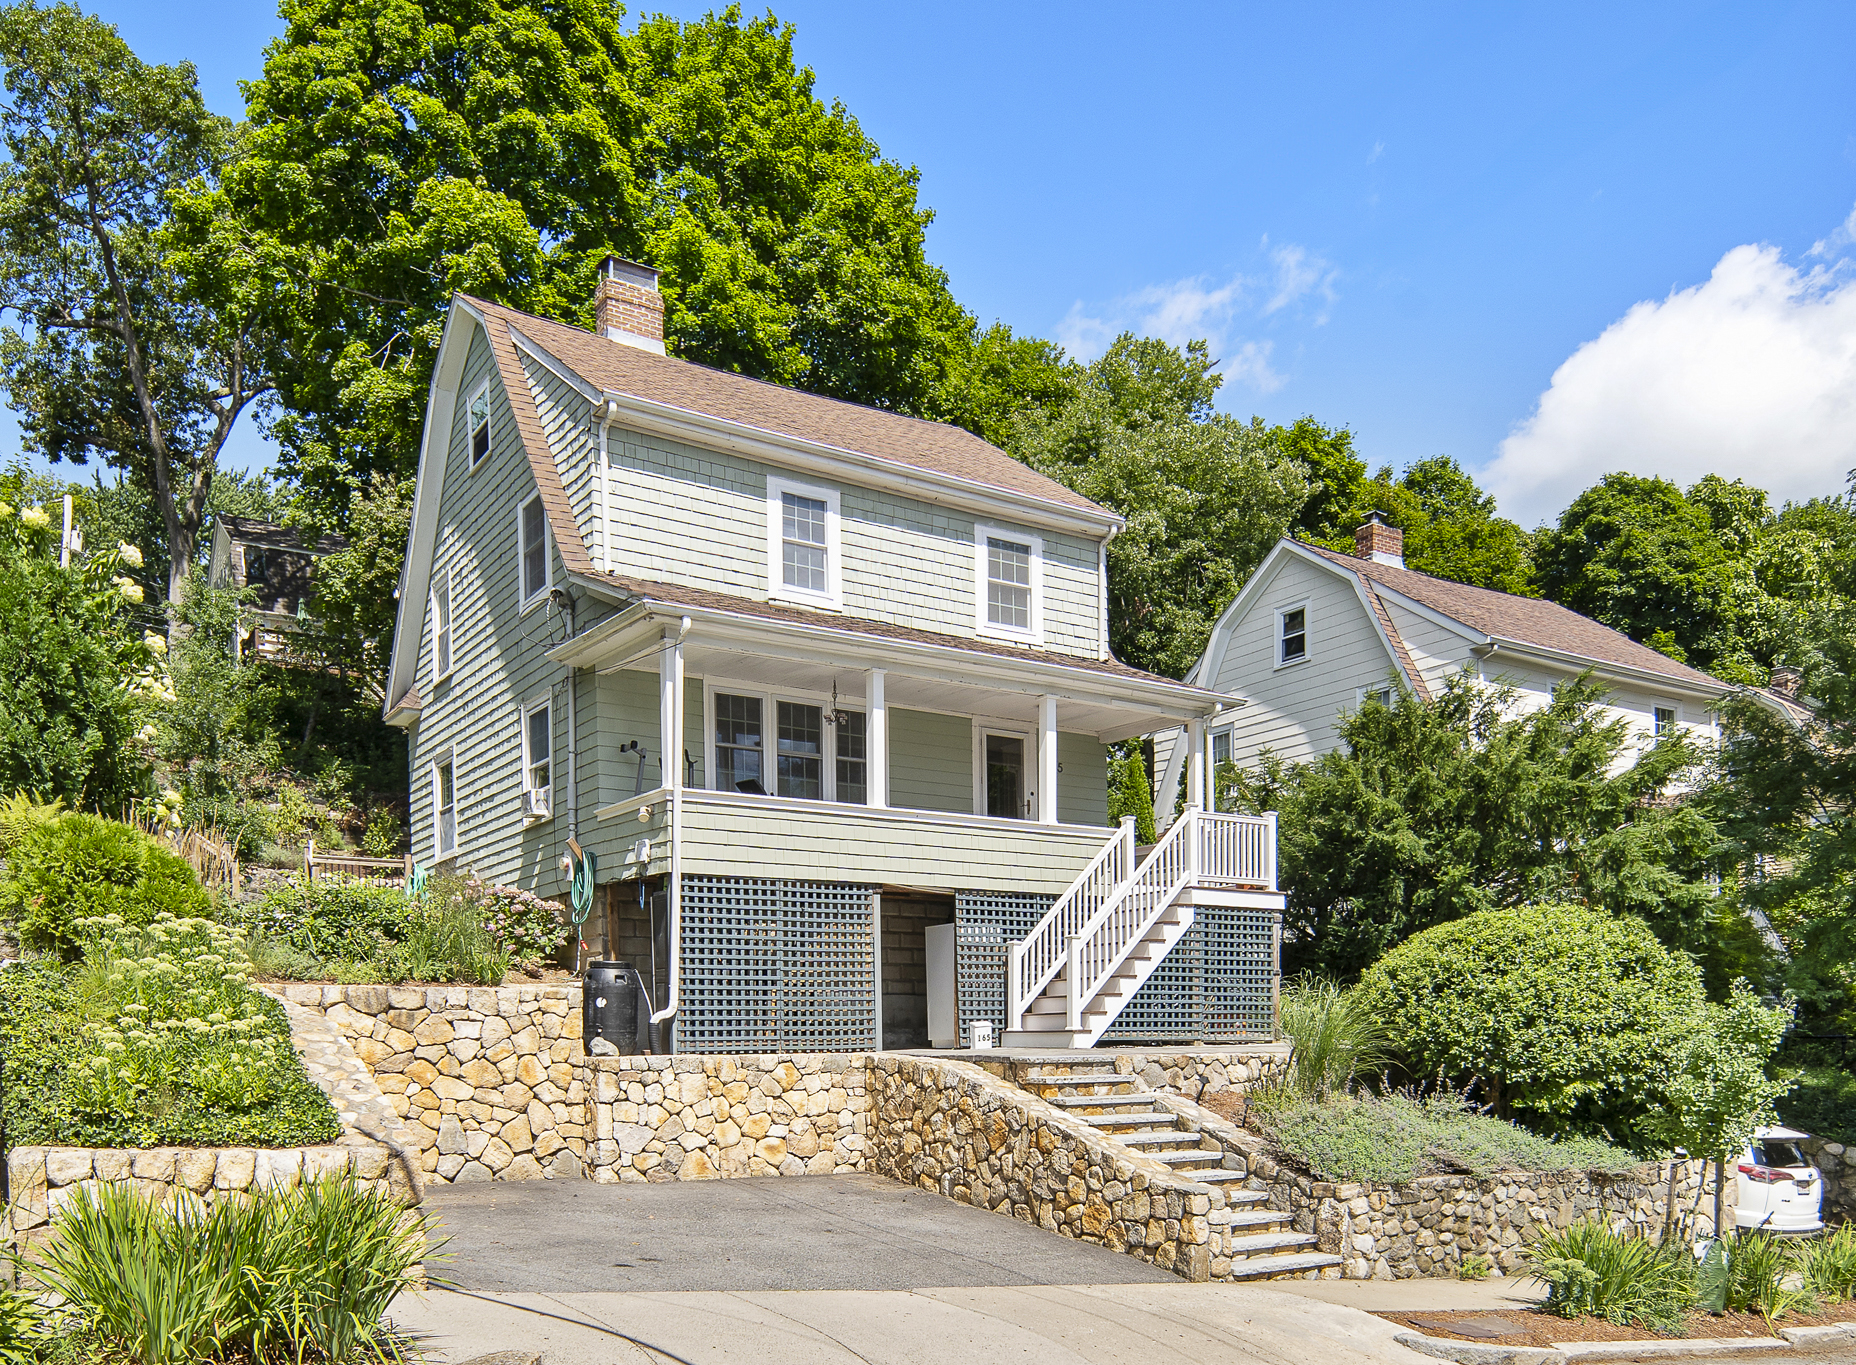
1541 1328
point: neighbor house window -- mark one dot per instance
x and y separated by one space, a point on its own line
1292 635
1221 748
532 536
538 752
1381 696
1665 720
479 425
441 625
1008 568
802 543
444 810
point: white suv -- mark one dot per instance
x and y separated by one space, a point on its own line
1779 1189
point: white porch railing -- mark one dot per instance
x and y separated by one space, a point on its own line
1201 848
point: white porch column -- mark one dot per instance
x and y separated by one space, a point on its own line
670 711
1195 764
1047 760
876 739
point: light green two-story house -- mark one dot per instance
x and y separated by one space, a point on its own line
811 682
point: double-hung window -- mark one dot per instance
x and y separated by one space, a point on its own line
444 810
1664 718
538 757
803 544
441 626
1291 635
533 566
1221 748
480 425
1008 571
817 754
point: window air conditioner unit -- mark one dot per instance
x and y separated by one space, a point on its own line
535 804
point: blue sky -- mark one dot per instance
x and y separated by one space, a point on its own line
1408 220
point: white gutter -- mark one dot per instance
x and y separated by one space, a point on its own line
670 766
1603 668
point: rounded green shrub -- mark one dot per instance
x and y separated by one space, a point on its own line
82 866
1564 1014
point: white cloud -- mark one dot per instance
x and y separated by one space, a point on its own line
1198 308
1751 374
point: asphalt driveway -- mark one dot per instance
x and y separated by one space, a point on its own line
802 1233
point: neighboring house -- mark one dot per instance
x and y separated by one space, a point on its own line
1314 634
811 681
278 566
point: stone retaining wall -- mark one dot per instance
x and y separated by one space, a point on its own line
1192 1074
953 1127
1430 1226
1838 1164
485 1078
41 1179
699 1118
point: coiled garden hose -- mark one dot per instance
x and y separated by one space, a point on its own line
580 892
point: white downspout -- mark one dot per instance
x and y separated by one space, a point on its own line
671 766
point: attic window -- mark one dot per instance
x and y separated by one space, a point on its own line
441 625
532 536
480 425
1008 571
1665 718
1291 635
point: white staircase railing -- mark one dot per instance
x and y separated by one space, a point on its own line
1201 848
1032 961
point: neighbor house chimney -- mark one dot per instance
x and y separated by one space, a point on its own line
627 306
1380 543
1785 681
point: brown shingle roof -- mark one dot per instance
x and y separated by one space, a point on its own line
933 446
251 531
1523 620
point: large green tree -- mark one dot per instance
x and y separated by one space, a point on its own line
1205 494
1430 811
128 340
399 150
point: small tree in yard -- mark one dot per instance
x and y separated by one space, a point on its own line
1719 1089
1565 1016
1129 794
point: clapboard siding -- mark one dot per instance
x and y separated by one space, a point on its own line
930 761
1436 651
697 517
1293 711
497 661
1082 782
850 844
566 420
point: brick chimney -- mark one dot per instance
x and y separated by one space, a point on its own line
1380 543
627 306
1785 681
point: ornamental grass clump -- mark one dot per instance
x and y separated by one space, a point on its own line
1591 1269
302 1275
1828 1264
1335 1039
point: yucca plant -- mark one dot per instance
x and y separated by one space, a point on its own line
1828 1264
1623 1277
1758 1265
1334 1037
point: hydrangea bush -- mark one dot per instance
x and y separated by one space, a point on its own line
530 927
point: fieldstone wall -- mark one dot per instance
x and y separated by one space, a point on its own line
485 1079
42 1179
700 1118
954 1127
1430 1226
1838 1163
1192 1074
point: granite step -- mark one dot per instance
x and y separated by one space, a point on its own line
1269 1243
1273 1267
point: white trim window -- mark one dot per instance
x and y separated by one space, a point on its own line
534 563
441 626
478 423
445 808
1220 748
1665 719
1292 635
815 754
1008 577
803 544
538 758
1380 693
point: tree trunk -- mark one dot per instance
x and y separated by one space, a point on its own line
1720 1191
1669 1202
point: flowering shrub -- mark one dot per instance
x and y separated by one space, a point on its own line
153 1038
529 926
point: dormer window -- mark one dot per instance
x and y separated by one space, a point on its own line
480 425
532 551
1291 635
1008 572
802 544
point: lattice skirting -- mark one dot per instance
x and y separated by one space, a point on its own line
1217 985
777 965
984 922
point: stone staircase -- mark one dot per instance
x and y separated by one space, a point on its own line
1258 1240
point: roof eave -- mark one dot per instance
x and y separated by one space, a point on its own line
1701 685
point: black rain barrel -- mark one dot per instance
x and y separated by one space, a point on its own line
614 1007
